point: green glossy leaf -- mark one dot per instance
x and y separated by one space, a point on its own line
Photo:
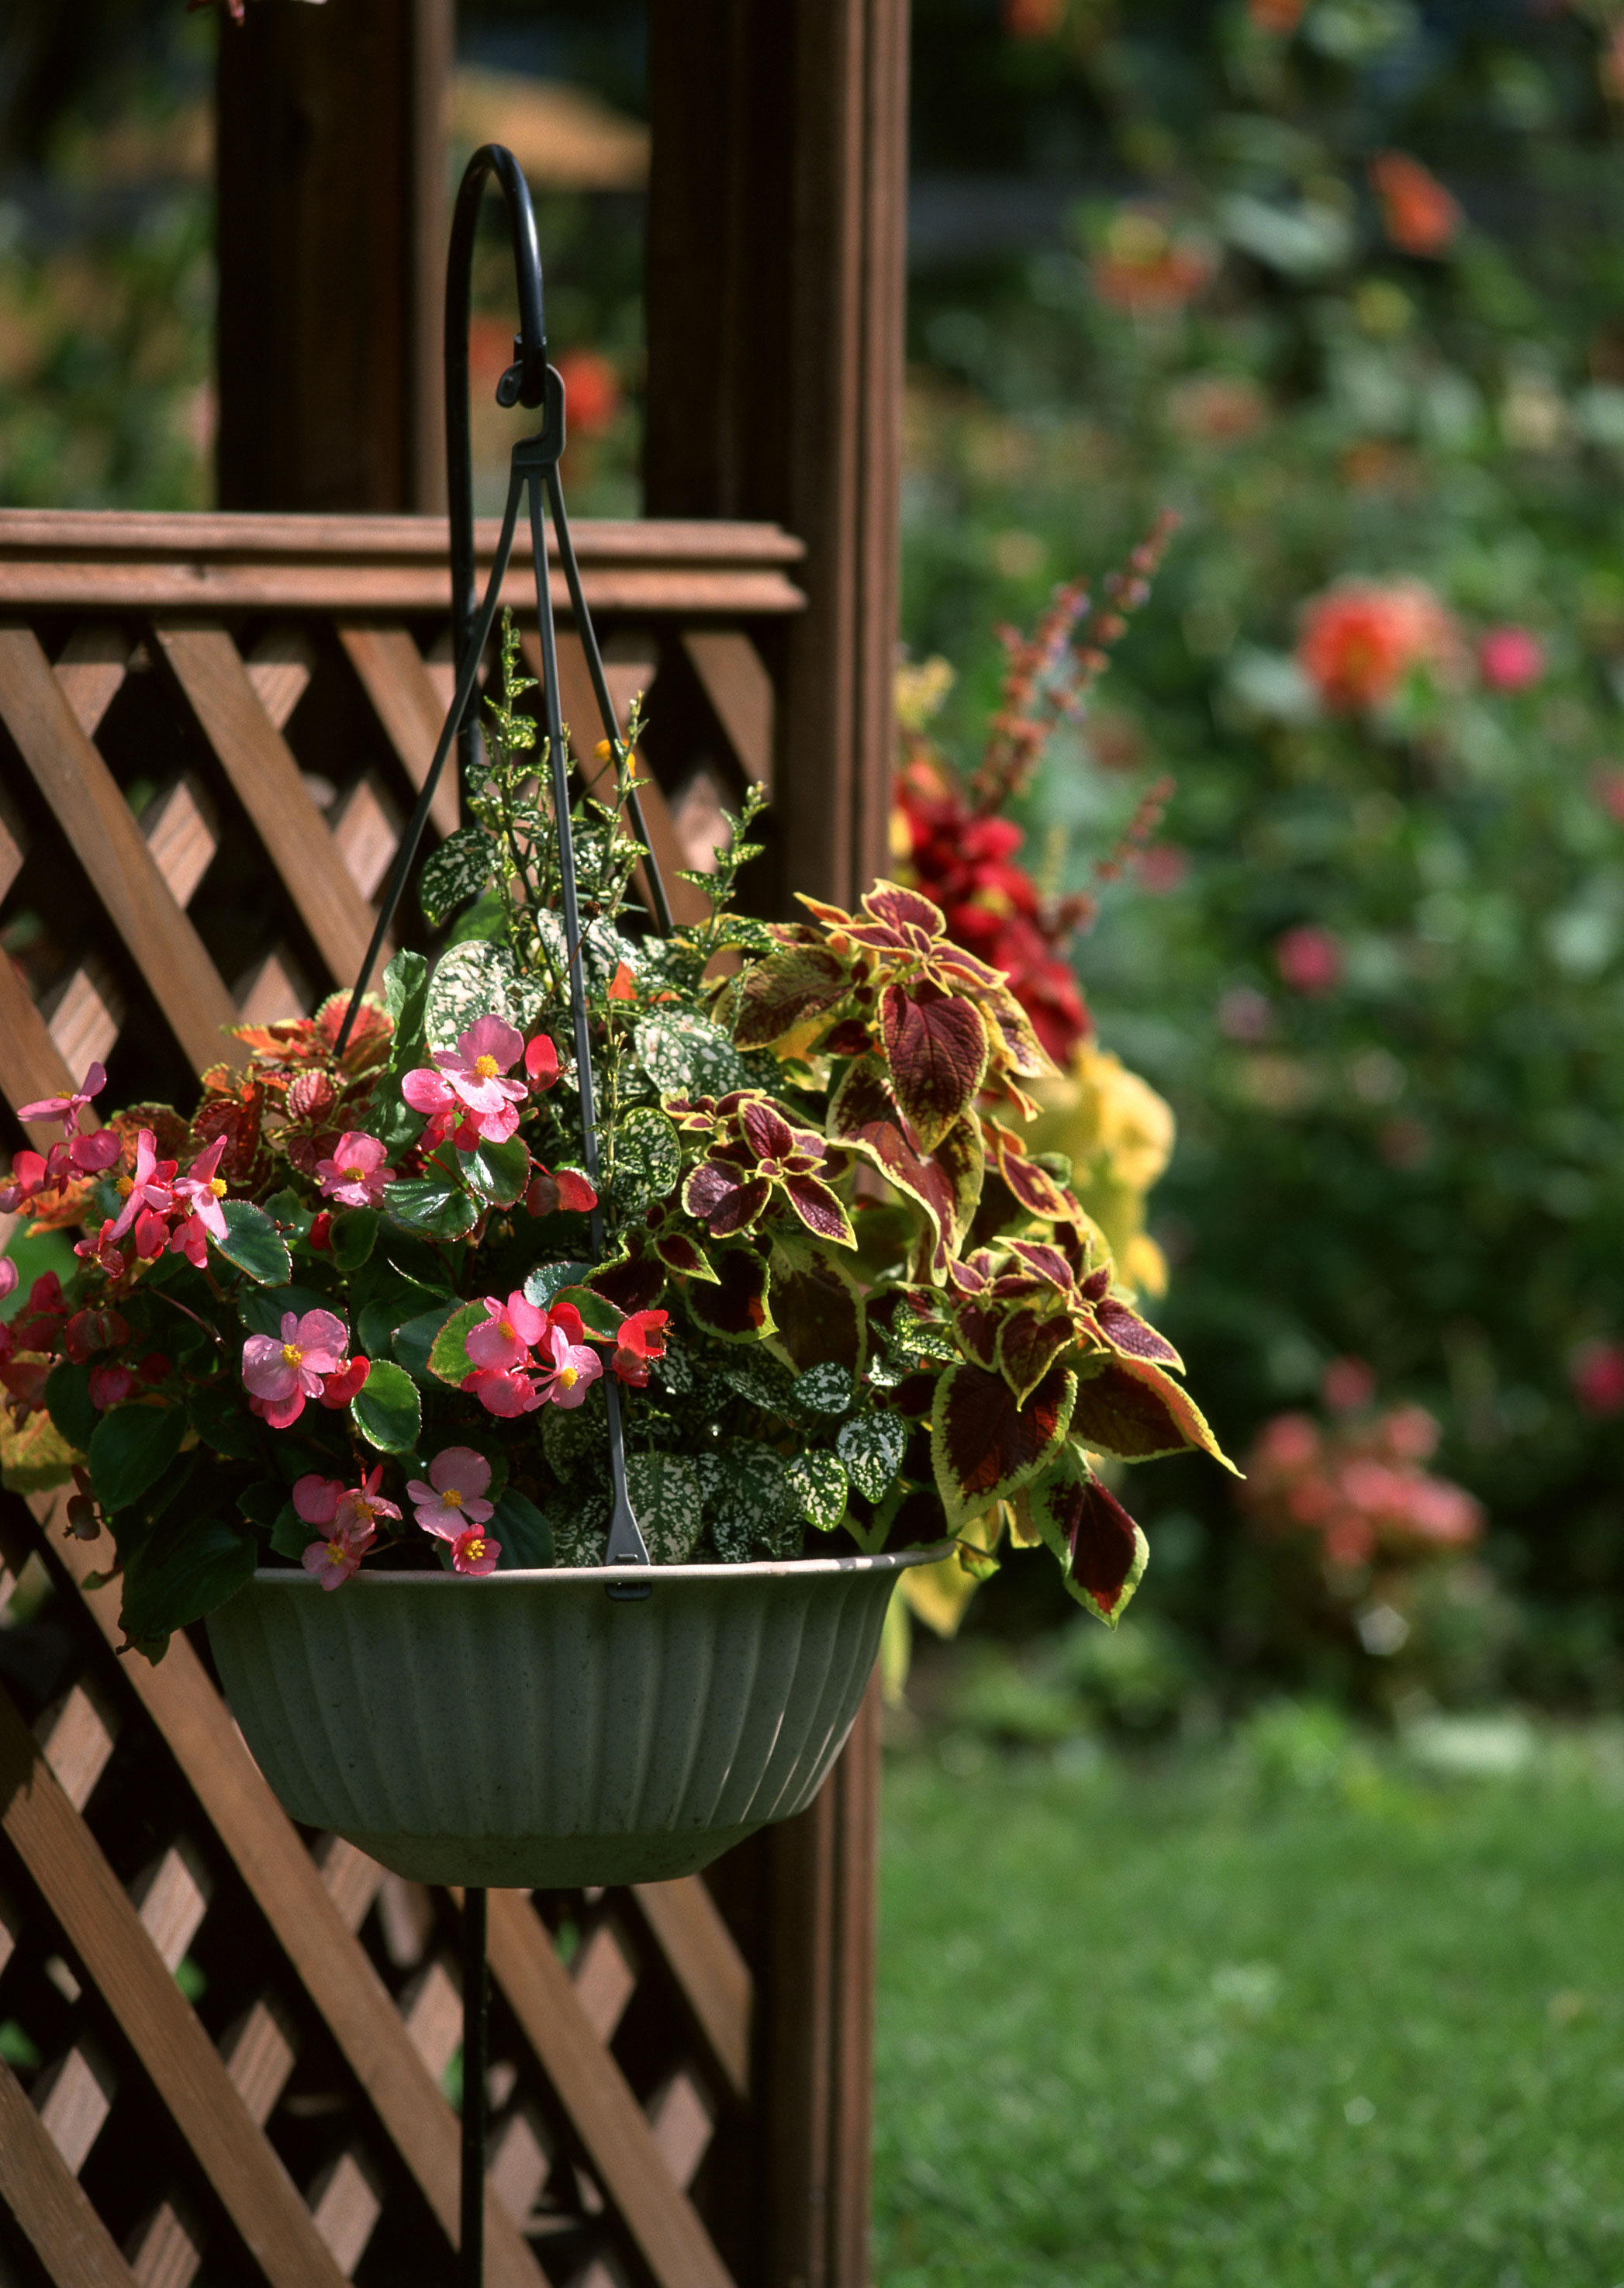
598 1314
193 1575
131 1448
817 1485
413 1342
253 1243
647 1160
386 1409
455 872
431 1206
550 1279
497 1173
521 1532
352 1237
68 1401
291 1534
261 1501
220 1417
448 1359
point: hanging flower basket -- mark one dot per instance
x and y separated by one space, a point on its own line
538 1732
586 1280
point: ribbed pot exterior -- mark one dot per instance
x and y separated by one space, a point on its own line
527 1728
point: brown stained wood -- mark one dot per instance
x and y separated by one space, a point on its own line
620 2145
36 2185
90 667
107 842
74 2098
280 668
85 1013
193 538
392 673
100 1924
712 1976
389 590
330 1961
181 827
737 684
256 759
31 1064
604 1973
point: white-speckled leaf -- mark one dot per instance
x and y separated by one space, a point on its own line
470 981
665 1494
871 1447
647 1159
818 1482
825 1390
685 1054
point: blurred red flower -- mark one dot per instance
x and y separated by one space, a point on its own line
591 391
1034 20
1361 639
1418 214
1348 1386
1278 18
1510 659
1596 1371
1308 959
1145 267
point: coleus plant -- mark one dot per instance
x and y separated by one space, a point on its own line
363 1303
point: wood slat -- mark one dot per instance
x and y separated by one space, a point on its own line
391 670
332 1966
100 1924
190 537
711 1975
731 672
107 842
620 2145
257 761
69 2239
31 1064
91 668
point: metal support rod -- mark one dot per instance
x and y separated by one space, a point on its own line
476 2029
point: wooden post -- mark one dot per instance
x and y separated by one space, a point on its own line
331 177
775 300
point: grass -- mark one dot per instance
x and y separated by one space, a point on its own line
1252 2021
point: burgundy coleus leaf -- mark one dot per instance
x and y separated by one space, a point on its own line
903 909
1028 1345
1126 1330
851 1037
693 1113
817 1308
1128 1408
1022 1050
984 1442
1033 1187
738 1307
937 1050
946 1183
972 1274
1047 1261
683 1255
633 1281
818 1210
719 1194
1102 1552
767 1131
976 1329
774 996
1097 1283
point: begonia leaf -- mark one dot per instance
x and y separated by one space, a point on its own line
984 1442
68 1400
598 1314
1130 1409
937 1050
430 1205
520 1531
253 1243
351 1237
446 1331
129 1449
386 1409
161 1593
549 1279
413 1342
496 1173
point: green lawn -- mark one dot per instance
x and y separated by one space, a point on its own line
1217 2029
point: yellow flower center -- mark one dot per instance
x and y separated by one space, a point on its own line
487 1068
504 1328
336 1551
569 1377
292 1354
217 1186
474 1550
356 1175
126 1185
452 1498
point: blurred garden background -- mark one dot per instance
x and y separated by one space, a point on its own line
1339 285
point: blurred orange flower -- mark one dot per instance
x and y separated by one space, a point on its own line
1033 20
1145 267
1418 214
591 391
1360 639
1278 18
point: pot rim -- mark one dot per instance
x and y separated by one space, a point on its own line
888 1560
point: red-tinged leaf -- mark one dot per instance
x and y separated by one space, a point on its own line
903 909
969 1273
961 1163
774 996
1047 1261
852 1037
984 1443
683 1255
818 1210
951 963
1022 1052
945 1184
1035 1189
835 917
767 1131
1126 1330
817 1308
1101 1550
1027 1347
1131 1410
718 1195
977 1331
737 1308
937 1051
635 1280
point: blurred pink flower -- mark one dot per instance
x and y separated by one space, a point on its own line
1348 1386
8 1276
1510 659
1418 214
1596 1371
1308 959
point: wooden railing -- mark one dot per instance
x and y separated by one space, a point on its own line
222 2041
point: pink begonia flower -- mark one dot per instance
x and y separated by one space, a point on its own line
469 1080
361 1506
281 1375
8 1276
334 1559
103 1250
568 1370
1510 659
315 1499
198 1195
90 1155
70 1110
471 1552
453 1500
542 1062
501 1391
358 1172
430 1094
149 1198
109 1385
504 1340
338 1389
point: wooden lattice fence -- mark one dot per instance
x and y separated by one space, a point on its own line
224 2044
